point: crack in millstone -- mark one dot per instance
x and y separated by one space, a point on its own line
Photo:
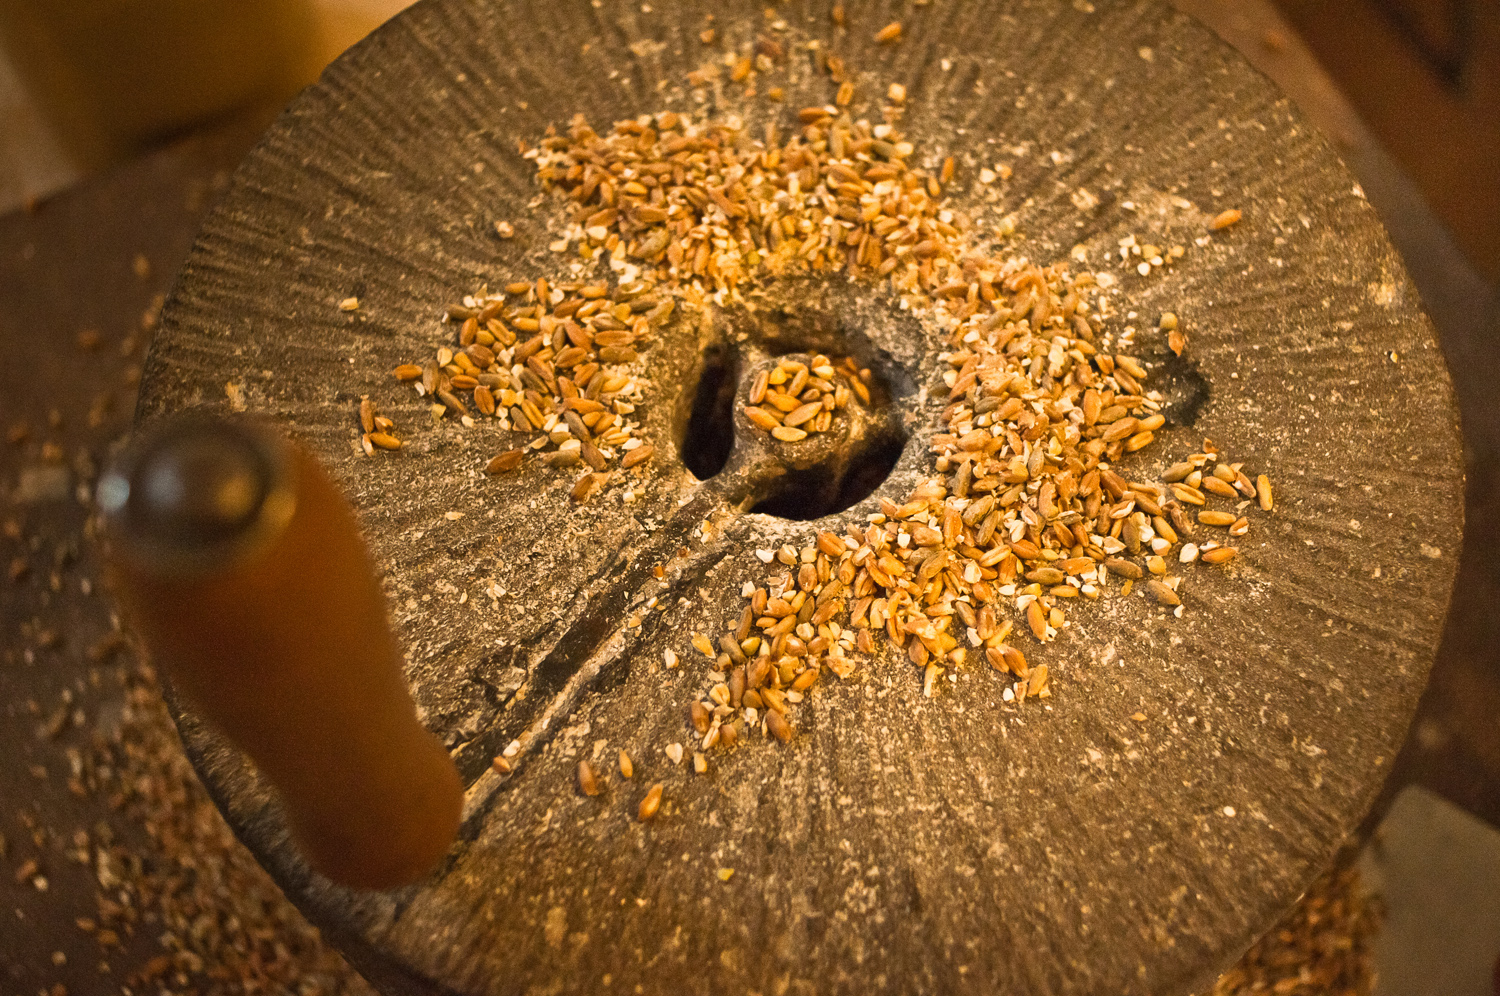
596 639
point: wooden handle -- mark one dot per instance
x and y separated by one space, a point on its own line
272 621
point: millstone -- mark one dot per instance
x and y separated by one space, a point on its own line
958 843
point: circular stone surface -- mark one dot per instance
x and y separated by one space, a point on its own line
954 844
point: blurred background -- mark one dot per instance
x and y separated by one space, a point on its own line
119 122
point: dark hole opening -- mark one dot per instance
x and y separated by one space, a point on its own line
809 495
710 426
1186 388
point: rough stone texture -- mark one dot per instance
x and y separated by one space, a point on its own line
900 844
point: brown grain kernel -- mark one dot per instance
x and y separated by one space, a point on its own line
586 485
1124 568
651 803
1163 594
384 440
1210 518
367 414
627 767
1036 619
1177 472
1218 554
778 727
501 765
761 418
1263 492
509 460
802 414
890 33
1219 487
699 715
591 455
586 780
1189 494
637 456
1224 219
758 388
407 371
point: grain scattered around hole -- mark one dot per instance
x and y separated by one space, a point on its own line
1031 504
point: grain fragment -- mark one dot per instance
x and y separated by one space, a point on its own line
888 34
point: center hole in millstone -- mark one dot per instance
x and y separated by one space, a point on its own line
822 473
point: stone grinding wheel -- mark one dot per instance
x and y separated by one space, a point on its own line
954 844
